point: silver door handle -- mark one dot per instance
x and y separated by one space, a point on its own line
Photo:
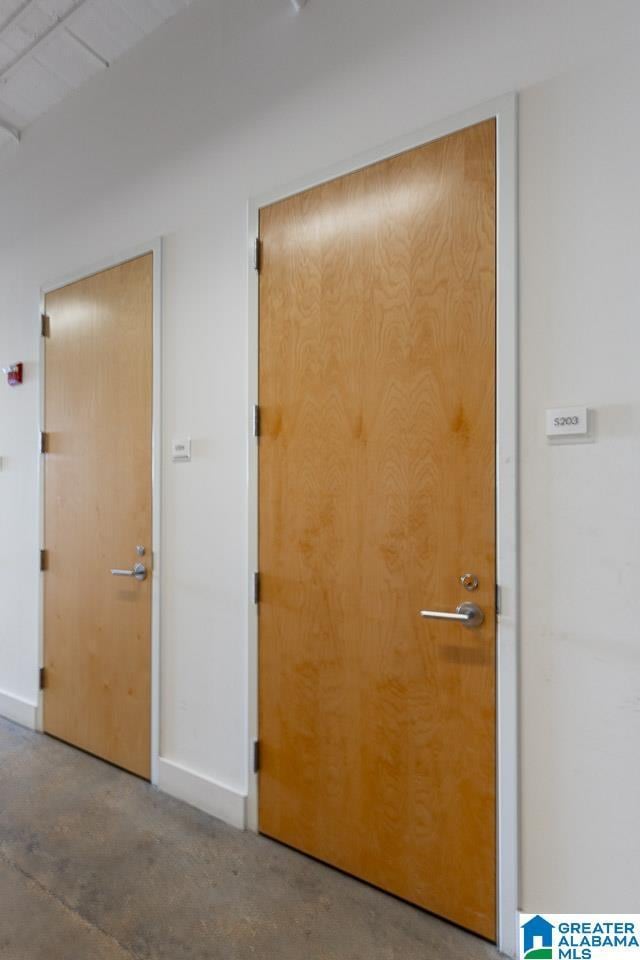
468 614
139 572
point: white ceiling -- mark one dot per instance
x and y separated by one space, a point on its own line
50 47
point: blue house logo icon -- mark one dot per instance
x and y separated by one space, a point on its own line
538 939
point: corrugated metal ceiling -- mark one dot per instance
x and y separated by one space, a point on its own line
50 47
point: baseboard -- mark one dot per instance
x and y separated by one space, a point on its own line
202 792
19 710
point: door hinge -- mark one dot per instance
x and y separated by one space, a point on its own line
44 560
257 254
256 587
498 598
43 678
44 442
256 756
45 328
256 420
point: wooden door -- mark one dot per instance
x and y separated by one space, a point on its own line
377 494
98 420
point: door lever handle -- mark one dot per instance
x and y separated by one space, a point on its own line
139 572
468 614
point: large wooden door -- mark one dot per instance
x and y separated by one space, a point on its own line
98 420
377 494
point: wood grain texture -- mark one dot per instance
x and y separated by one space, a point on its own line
377 492
97 628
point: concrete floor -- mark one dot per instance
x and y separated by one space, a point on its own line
97 865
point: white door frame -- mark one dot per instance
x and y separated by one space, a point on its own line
504 110
155 247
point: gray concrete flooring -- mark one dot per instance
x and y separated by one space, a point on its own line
97 865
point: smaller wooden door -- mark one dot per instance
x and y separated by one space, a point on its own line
98 510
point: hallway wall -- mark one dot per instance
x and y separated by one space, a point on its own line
231 100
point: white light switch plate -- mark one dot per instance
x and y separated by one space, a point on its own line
568 422
181 450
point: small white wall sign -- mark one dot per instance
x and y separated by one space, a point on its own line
181 450
568 422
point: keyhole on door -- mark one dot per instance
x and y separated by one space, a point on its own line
469 581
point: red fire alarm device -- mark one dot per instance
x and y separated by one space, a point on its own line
14 374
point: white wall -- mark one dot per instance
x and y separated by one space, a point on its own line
232 99
580 323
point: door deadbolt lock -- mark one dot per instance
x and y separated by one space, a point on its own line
469 581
